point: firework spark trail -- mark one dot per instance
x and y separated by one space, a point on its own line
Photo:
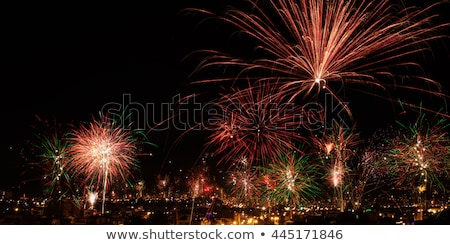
253 122
310 45
102 152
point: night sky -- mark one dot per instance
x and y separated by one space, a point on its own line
66 61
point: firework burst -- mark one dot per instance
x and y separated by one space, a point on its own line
336 149
199 181
420 155
253 121
336 146
91 198
139 187
51 146
372 171
56 158
103 152
293 179
367 175
163 184
246 186
314 46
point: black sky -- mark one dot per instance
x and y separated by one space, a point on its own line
70 60
66 61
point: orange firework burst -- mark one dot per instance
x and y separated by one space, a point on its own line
102 151
318 45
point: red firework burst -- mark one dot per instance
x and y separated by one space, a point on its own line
246 186
252 124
